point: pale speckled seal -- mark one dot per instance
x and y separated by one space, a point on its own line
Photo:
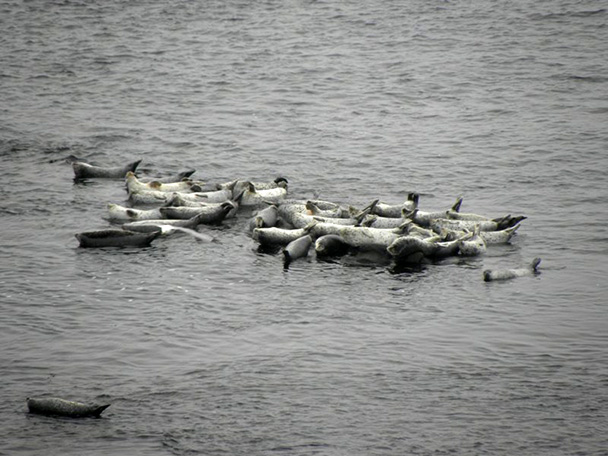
490 275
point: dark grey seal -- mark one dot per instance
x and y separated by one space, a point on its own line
116 238
54 406
84 170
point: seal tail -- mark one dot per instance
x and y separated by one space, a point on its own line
286 259
457 204
97 412
414 198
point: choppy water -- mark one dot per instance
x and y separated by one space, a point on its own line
213 348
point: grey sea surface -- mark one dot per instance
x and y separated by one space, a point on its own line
213 347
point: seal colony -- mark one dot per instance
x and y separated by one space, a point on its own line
402 233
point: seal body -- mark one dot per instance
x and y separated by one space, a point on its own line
147 226
116 238
55 406
264 218
279 236
140 196
118 213
331 245
83 170
490 275
209 215
297 249
134 184
251 196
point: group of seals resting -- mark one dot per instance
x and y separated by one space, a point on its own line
403 232
180 204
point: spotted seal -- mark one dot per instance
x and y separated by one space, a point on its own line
297 249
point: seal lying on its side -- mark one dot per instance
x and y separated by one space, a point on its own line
280 236
115 238
489 275
118 213
83 170
60 407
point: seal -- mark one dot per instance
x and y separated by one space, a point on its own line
413 249
178 177
297 249
280 236
489 237
54 406
264 218
331 245
361 237
490 275
313 209
118 213
484 225
209 215
394 211
254 197
134 184
84 170
115 238
474 246
147 226
156 197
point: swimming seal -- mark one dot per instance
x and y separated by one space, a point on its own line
490 275
84 170
54 406
115 238
176 177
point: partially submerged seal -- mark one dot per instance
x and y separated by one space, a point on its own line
490 275
115 238
54 406
83 170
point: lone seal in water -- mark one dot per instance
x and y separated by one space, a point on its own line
83 170
55 406
116 238
490 275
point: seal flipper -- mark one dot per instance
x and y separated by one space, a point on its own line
457 204
133 166
97 412
535 263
